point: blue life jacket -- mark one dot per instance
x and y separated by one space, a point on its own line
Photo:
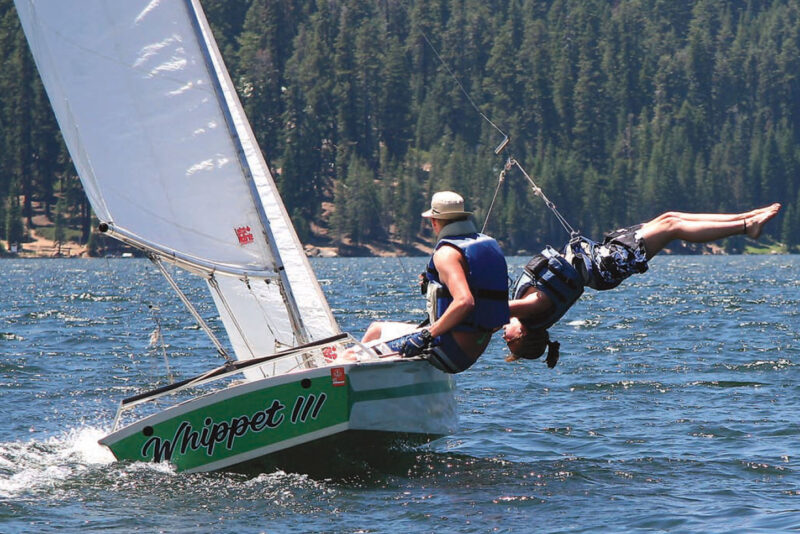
487 277
554 275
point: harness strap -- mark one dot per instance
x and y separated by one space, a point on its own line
544 265
561 276
439 359
553 290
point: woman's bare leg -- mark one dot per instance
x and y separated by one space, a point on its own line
718 217
703 227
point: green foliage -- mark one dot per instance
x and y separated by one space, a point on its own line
619 110
790 232
59 234
14 229
59 230
358 205
407 202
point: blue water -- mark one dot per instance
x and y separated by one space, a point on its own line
675 407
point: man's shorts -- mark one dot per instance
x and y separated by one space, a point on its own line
445 355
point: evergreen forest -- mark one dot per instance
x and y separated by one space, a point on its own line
618 109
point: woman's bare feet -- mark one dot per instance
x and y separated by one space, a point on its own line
754 224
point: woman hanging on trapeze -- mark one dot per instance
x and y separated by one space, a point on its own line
553 281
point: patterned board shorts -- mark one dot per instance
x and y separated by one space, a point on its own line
620 255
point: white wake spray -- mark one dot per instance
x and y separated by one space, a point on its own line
32 466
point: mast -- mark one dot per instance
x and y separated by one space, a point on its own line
213 58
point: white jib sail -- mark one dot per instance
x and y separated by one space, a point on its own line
167 157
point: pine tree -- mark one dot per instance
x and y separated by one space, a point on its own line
14 230
350 102
59 231
310 126
301 165
426 23
365 203
395 101
269 28
771 171
505 80
46 144
358 209
369 84
790 230
538 117
18 113
589 126
226 18
409 202
700 57
341 218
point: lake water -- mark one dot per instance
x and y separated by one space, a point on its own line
675 407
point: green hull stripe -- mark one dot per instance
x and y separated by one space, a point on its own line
411 390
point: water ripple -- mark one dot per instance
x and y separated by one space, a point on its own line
674 407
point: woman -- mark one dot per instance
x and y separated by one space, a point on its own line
552 282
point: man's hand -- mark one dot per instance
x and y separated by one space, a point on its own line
416 344
423 284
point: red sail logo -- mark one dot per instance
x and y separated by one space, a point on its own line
244 235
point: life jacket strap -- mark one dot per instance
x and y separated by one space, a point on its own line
488 294
545 264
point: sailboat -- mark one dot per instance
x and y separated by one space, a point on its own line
171 166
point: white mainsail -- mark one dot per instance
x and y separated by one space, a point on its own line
168 159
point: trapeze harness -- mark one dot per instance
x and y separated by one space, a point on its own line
487 277
563 276
552 274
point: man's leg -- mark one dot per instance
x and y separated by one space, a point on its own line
373 332
387 330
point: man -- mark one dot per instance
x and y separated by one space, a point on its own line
466 285
552 282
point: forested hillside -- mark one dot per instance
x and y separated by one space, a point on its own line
619 110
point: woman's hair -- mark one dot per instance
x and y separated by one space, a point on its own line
531 346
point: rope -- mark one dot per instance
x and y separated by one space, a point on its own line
212 282
264 314
463 90
157 338
500 179
511 161
189 306
539 193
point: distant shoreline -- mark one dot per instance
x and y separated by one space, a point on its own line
73 250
